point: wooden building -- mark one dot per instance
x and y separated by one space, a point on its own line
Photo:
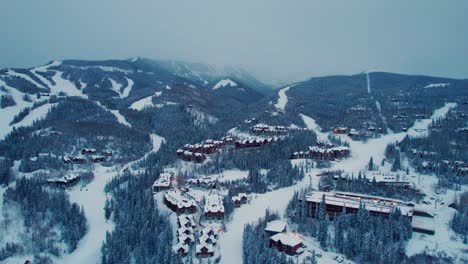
287 243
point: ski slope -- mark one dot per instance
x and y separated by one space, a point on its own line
92 198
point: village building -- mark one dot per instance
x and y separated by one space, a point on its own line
341 130
181 249
186 238
65 181
287 243
323 153
261 129
107 153
179 203
163 182
204 250
97 158
236 201
205 182
186 221
214 208
88 151
274 227
337 202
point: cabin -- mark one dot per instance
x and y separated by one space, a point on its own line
65 181
228 140
77 160
261 129
107 153
274 227
66 160
337 202
236 201
163 182
186 238
204 250
243 197
341 130
97 158
181 249
214 207
179 203
88 151
287 243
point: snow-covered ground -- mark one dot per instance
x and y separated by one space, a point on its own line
231 175
92 198
444 240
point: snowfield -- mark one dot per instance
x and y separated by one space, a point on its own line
224 83
282 99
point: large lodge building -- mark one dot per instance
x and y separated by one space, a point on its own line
335 202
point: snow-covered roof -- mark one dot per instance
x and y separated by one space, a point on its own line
65 179
286 239
179 246
176 198
164 180
353 200
214 204
209 247
276 226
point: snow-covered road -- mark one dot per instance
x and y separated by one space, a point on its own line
231 241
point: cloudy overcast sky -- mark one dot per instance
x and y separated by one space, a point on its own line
276 40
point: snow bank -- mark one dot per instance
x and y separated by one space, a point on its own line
436 85
142 103
223 83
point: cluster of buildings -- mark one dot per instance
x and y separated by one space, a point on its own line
240 198
214 207
65 181
262 129
323 153
388 178
207 182
206 243
90 153
179 202
289 243
197 152
185 234
253 143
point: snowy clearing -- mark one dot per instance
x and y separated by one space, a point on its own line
223 83
312 125
128 88
231 175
